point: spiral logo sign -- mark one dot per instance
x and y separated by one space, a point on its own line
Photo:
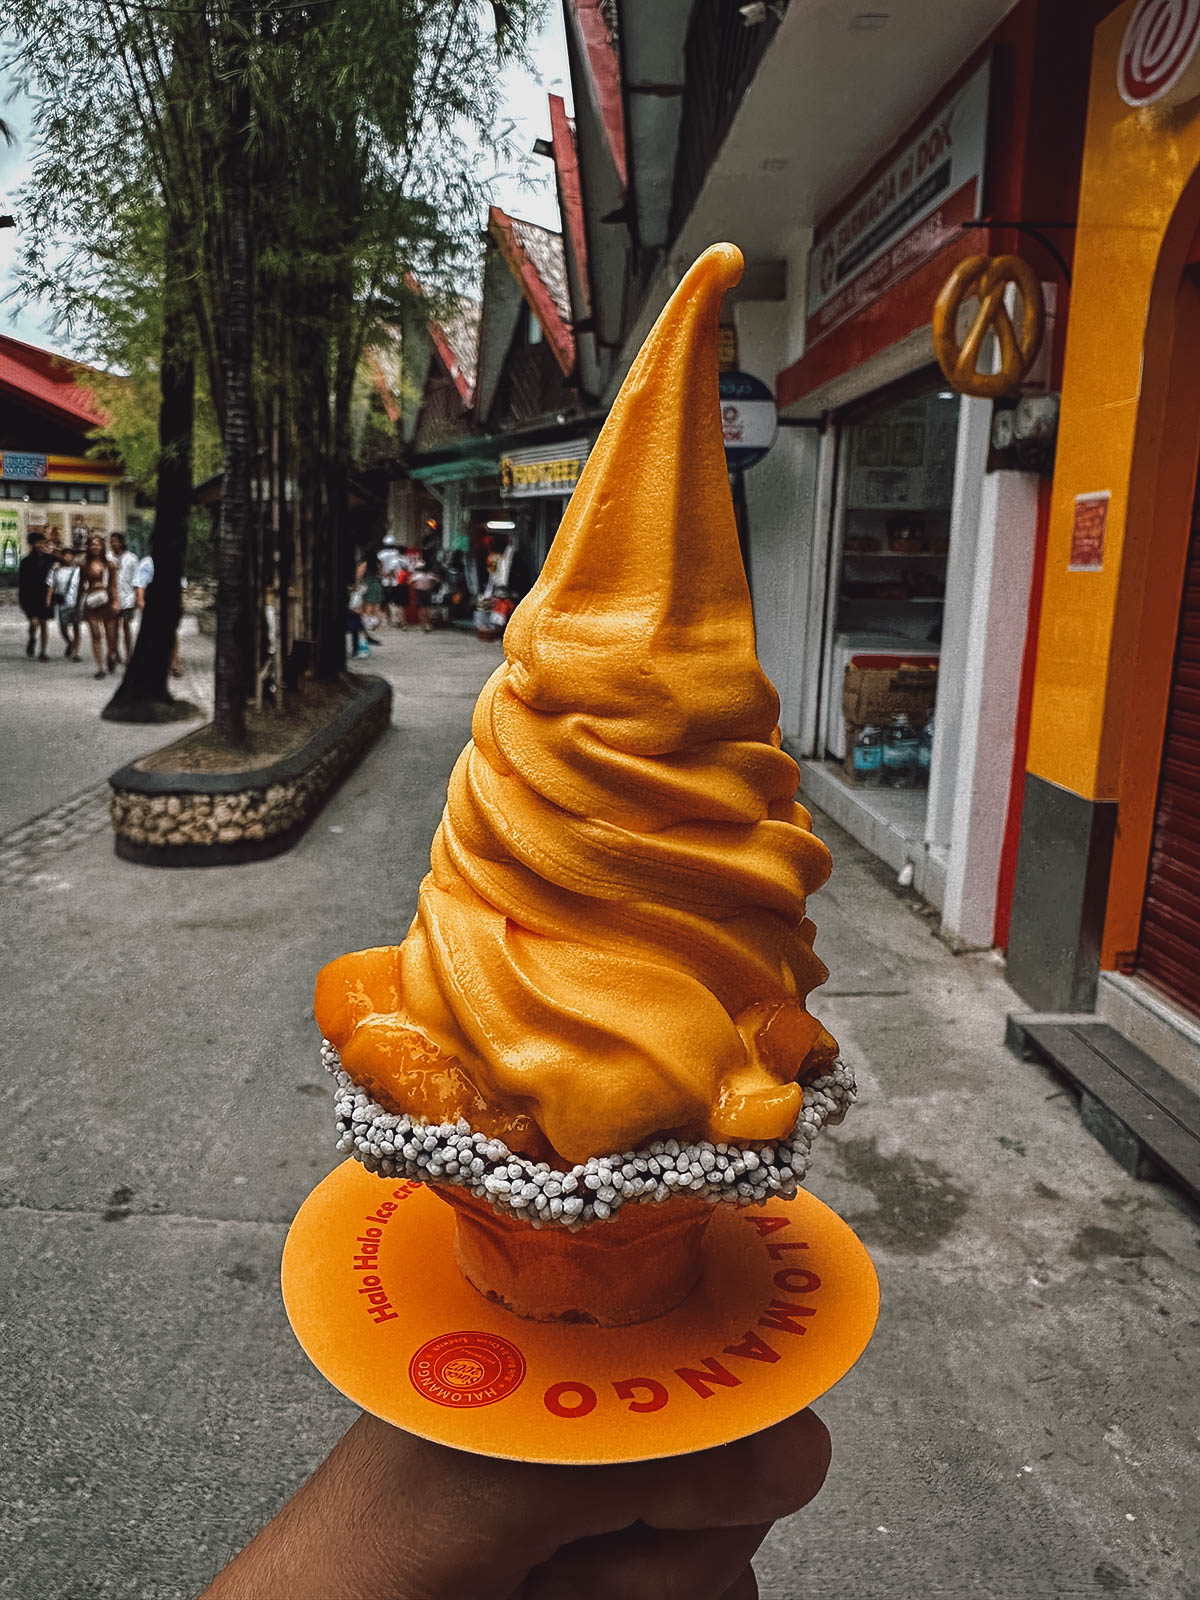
1158 59
466 1369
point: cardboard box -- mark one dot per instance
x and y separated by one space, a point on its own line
875 694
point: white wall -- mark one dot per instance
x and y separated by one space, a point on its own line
990 690
958 618
780 513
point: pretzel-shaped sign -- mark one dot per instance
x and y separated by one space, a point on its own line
986 279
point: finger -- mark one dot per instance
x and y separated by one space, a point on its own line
643 1563
759 1479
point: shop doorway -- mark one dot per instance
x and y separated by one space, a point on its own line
1169 941
889 556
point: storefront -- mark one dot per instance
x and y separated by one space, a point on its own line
889 536
68 501
48 482
1107 900
536 483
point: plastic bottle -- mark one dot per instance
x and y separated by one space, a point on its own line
900 753
868 758
925 751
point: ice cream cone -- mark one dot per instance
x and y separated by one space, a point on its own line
639 1264
609 967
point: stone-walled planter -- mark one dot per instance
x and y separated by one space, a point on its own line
201 819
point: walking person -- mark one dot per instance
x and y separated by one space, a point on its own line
370 580
98 602
143 577
34 591
392 572
423 580
66 601
127 571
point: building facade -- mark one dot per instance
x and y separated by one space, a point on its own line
48 482
857 161
1107 898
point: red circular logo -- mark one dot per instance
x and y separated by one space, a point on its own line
466 1369
1157 50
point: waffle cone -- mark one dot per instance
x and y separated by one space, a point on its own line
637 1265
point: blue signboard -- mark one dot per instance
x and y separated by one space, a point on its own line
748 419
21 467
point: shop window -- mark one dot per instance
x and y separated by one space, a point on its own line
97 494
57 491
892 541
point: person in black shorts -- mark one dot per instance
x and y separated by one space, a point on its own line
33 591
393 572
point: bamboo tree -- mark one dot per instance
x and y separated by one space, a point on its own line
316 164
144 693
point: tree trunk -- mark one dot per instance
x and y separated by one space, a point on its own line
144 693
337 558
235 644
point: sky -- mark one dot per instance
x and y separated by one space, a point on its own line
527 193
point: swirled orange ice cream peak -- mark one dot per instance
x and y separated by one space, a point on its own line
611 944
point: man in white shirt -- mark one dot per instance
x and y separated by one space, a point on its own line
393 572
142 579
127 565
66 601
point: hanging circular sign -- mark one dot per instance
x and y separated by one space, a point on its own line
987 280
1159 59
748 419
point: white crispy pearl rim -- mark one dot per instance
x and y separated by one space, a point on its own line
451 1153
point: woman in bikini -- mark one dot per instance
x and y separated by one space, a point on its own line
98 603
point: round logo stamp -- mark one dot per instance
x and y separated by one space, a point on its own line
1159 53
466 1369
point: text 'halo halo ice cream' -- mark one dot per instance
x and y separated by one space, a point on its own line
601 1001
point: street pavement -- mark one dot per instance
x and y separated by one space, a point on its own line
56 745
1023 1424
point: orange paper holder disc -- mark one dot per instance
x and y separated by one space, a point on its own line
786 1304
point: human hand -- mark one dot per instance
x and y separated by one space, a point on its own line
389 1516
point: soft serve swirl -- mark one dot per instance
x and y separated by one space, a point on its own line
611 944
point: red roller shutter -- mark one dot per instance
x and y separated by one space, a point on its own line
1169 946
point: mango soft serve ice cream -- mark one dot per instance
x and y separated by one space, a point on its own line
608 971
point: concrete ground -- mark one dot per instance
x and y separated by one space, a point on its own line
1024 1423
56 742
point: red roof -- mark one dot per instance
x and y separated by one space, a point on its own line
535 258
570 195
47 383
604 69
456 340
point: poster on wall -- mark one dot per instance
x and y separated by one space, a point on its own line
83 525
1087 532
903 214
10 539
46 521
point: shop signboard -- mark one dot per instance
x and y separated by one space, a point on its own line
20 467
748 419
902 215
10 539
543 469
